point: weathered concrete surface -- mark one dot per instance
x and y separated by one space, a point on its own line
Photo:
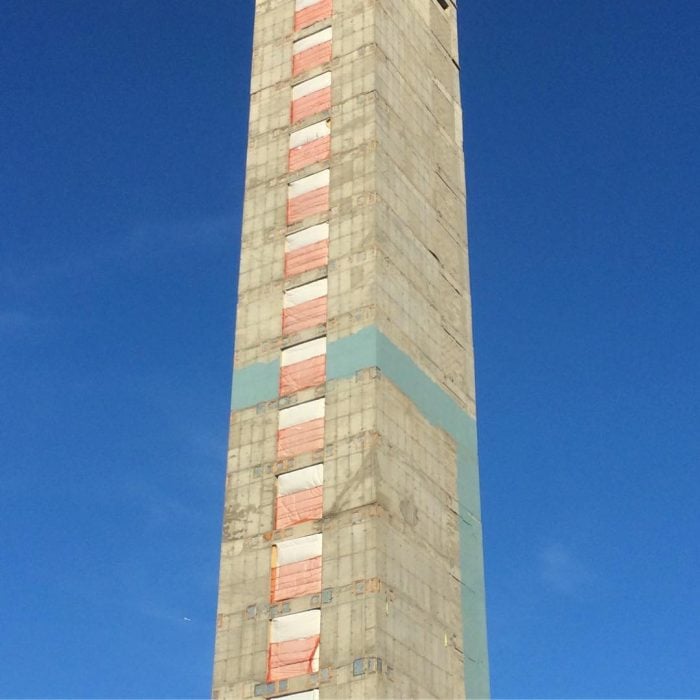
403 595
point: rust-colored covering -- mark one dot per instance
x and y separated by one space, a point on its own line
309 153
299 507
290 659
315 202
311 104
312 58
297 579
307 258
305 315
314 13
304 437
301 375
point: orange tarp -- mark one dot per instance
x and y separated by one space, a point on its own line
305 315
301 375
314 13
311 104
297 579
308 204
311 58
309 153
293 658
307 258
305 437
299 507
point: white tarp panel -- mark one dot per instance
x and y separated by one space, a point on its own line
312 40
303 351
302 4
306 236
310 133
298 626
300 480
301 413
312 85
298 549
309 183
306 292
306 695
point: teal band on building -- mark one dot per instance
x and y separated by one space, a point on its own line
370 348
351 555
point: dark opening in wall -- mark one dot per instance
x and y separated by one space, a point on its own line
443 4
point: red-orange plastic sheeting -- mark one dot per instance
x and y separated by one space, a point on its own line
293 658
306 249
311 58
296 579
306 315
294 640
305 437
309 153
301 375
308 196
309 11
314 202
299 498
311 97
307 258
299 507
311 104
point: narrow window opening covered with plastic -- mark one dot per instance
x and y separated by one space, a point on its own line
312 51
303 366
306 250
299 496
308 196
305 306
301 429
308 12
294 645
311 97
296 568
310 145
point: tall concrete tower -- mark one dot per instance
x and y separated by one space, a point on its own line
351 562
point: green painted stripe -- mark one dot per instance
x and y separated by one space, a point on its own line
255 383
371 348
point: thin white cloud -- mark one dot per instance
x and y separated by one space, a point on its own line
562 571
134 248
207 233
14 322
161 508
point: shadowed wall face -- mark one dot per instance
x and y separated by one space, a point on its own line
351 557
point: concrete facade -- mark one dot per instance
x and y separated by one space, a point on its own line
363 245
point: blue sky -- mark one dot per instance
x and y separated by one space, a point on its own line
122 138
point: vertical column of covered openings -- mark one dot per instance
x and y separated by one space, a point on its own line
296 560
